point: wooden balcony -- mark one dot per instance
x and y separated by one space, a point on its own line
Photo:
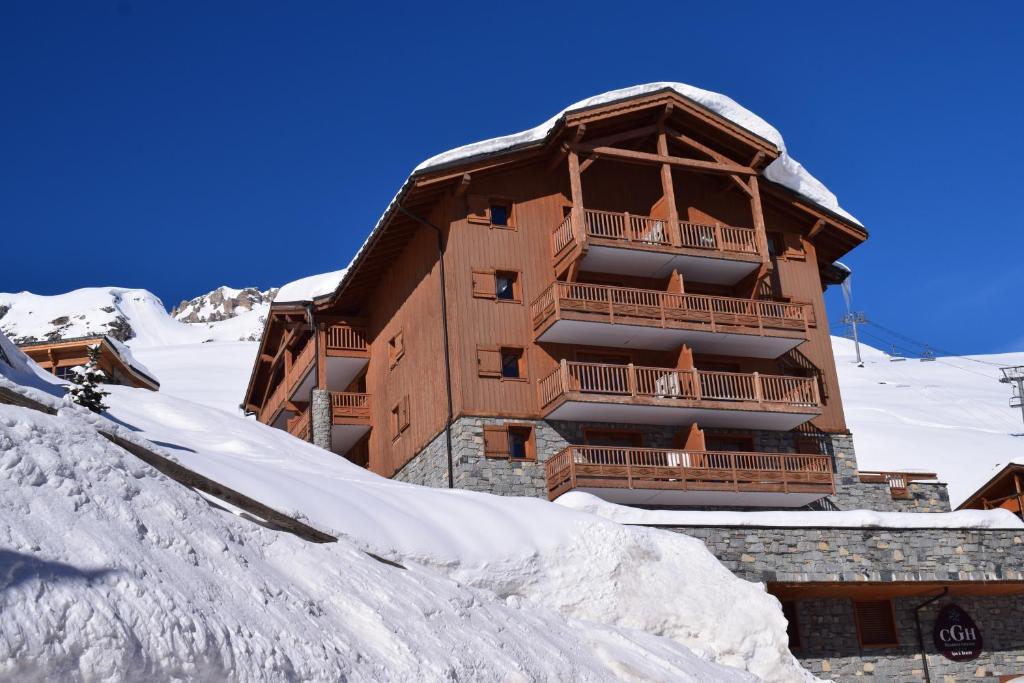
580 313
350 419
681 477
631 244
599 392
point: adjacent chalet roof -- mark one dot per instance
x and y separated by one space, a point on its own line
110 347
1001 487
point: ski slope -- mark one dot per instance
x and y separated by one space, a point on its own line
150 580
949 416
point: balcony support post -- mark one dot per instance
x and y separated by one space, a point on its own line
576 188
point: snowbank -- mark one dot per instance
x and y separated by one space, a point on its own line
847 519
785 170
149 582
309 288
648 594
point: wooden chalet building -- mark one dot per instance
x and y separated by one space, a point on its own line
624 304
62 356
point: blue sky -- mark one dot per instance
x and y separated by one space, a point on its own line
180 146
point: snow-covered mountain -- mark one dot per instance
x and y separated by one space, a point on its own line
135 316
223 303
151 582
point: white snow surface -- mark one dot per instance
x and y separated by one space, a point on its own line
949 416
785 170
311 287
148 579
845 519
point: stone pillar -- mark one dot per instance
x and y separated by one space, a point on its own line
320 418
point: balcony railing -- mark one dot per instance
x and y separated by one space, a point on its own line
665 309
299 425
630 381
273 404
626 228
346 338
687 470
350 406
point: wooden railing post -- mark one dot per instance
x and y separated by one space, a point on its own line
758 389
696 384
631 379
564 375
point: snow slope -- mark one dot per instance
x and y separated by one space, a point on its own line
496 588
948 416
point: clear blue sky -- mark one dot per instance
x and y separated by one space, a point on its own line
177 146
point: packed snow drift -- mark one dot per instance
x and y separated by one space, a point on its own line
148 580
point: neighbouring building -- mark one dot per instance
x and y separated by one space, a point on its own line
626 302
62 356
1004 490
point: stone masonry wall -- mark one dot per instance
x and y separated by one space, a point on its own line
321 417
865 554
474 471
830 648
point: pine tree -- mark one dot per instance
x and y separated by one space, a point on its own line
85 383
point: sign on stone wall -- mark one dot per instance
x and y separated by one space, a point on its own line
956 635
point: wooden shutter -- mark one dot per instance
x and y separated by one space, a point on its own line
483 283
396 349
477 209
875 624
495 441
488 361
403 414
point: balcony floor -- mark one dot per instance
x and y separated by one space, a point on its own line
669 411
603 333
641 496
345 436
710 267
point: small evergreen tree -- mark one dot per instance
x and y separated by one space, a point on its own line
85 383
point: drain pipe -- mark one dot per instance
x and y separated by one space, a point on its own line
444 333
920 638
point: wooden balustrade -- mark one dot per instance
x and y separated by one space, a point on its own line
350 404
627 467
273 404
299 425
346 338
637 381
648 230
665 309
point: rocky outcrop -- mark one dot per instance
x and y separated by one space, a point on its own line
222 303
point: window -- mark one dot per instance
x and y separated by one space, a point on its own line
876 623
67 371
396 349
399 418
491 211
519 443
506 286
499 215
500 285
792 624
512 441
776 244
512 363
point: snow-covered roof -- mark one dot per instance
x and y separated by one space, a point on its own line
309 288
122 351
844 519
785 170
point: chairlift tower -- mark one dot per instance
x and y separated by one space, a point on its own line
1015 375
853 319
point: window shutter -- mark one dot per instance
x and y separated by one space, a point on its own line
477 208
404 413
488 361
875 622
495 441
483 283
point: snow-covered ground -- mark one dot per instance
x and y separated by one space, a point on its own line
147 580
949 416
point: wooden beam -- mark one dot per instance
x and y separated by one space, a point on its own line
463 185
693 144
668 190
689 164
576 188
819 225
586 164
665 113
760 236
742 185
758 159
631 134
556 161
580 131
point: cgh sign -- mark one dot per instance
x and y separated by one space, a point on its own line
956 635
